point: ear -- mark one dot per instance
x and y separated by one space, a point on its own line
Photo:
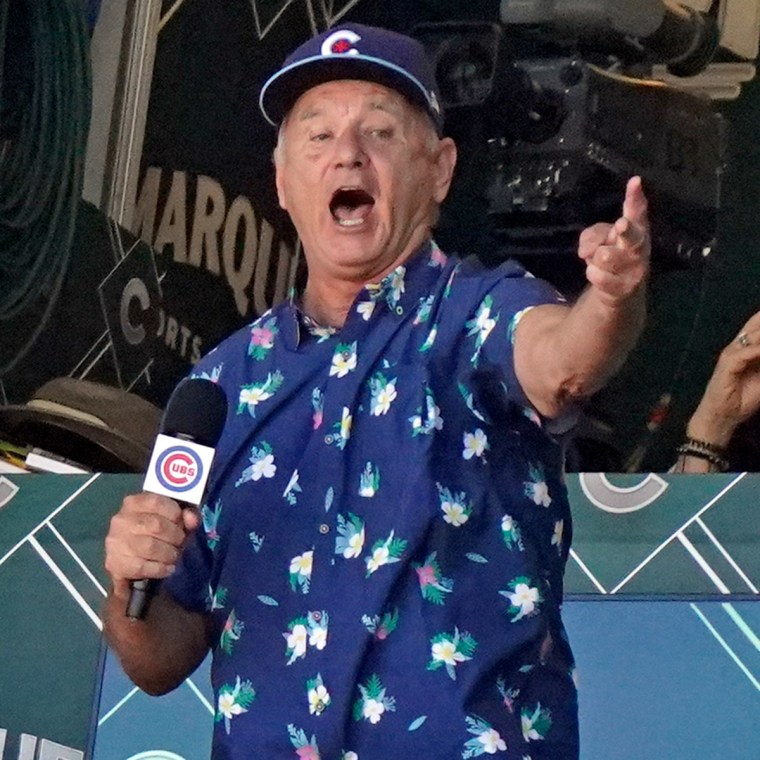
443 168
279 182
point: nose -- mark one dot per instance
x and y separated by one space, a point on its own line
349 152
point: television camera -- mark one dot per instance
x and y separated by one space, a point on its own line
555 105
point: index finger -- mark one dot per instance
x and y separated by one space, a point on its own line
635 202
752 323
154 504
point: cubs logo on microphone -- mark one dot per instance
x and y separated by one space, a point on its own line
178 469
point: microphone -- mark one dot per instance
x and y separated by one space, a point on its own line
182 455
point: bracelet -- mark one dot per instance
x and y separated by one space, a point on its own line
690 450
713 448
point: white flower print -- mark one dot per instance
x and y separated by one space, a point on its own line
262 464
455 507
475 444
446 652
318 696
264 468
536 488
373 702
449 649
344 360
383 393
395 283
253 395
535 725
318 638
523 598
378 559
486 740
559 529
385 551
454 513
492 742
350 539
384 399
233 700
300 571
365 308
373 710
302 564
355 545
297 642
228 707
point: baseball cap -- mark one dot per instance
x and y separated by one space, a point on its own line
354 51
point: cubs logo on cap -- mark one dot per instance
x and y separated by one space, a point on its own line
341 43
354 51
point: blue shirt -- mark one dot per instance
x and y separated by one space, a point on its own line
386 530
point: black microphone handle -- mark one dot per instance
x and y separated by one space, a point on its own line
140 594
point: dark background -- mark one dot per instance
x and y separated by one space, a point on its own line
203 120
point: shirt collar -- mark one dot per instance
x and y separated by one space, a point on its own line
399 291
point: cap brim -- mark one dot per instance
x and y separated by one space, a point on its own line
25 425
282 90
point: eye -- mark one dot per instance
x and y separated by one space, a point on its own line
319 137
381 133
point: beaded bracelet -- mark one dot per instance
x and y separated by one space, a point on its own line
713 448
701 450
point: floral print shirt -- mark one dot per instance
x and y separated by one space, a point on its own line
385 532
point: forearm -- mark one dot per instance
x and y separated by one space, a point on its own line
596 338
159 652
567 354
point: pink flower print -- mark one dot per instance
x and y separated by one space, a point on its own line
426 575
309 752
438 257
262 336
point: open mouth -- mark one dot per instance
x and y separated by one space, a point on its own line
350 206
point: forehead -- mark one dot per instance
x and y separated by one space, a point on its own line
344 94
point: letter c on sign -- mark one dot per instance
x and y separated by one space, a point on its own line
603 494
134 334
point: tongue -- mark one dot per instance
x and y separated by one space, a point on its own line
352 213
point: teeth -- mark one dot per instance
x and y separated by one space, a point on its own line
350 222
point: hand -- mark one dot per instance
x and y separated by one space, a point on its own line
617 255
732 394
145 539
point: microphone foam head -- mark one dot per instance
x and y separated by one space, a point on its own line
196 410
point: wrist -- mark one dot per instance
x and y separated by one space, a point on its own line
711 428
696 449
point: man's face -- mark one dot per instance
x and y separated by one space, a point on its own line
361 173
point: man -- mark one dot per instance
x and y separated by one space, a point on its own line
379 567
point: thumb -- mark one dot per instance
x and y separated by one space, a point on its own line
191 519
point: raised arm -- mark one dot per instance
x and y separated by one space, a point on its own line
144 541
566 353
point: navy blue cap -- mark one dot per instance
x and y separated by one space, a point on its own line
354 51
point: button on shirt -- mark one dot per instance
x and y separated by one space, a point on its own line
385 532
